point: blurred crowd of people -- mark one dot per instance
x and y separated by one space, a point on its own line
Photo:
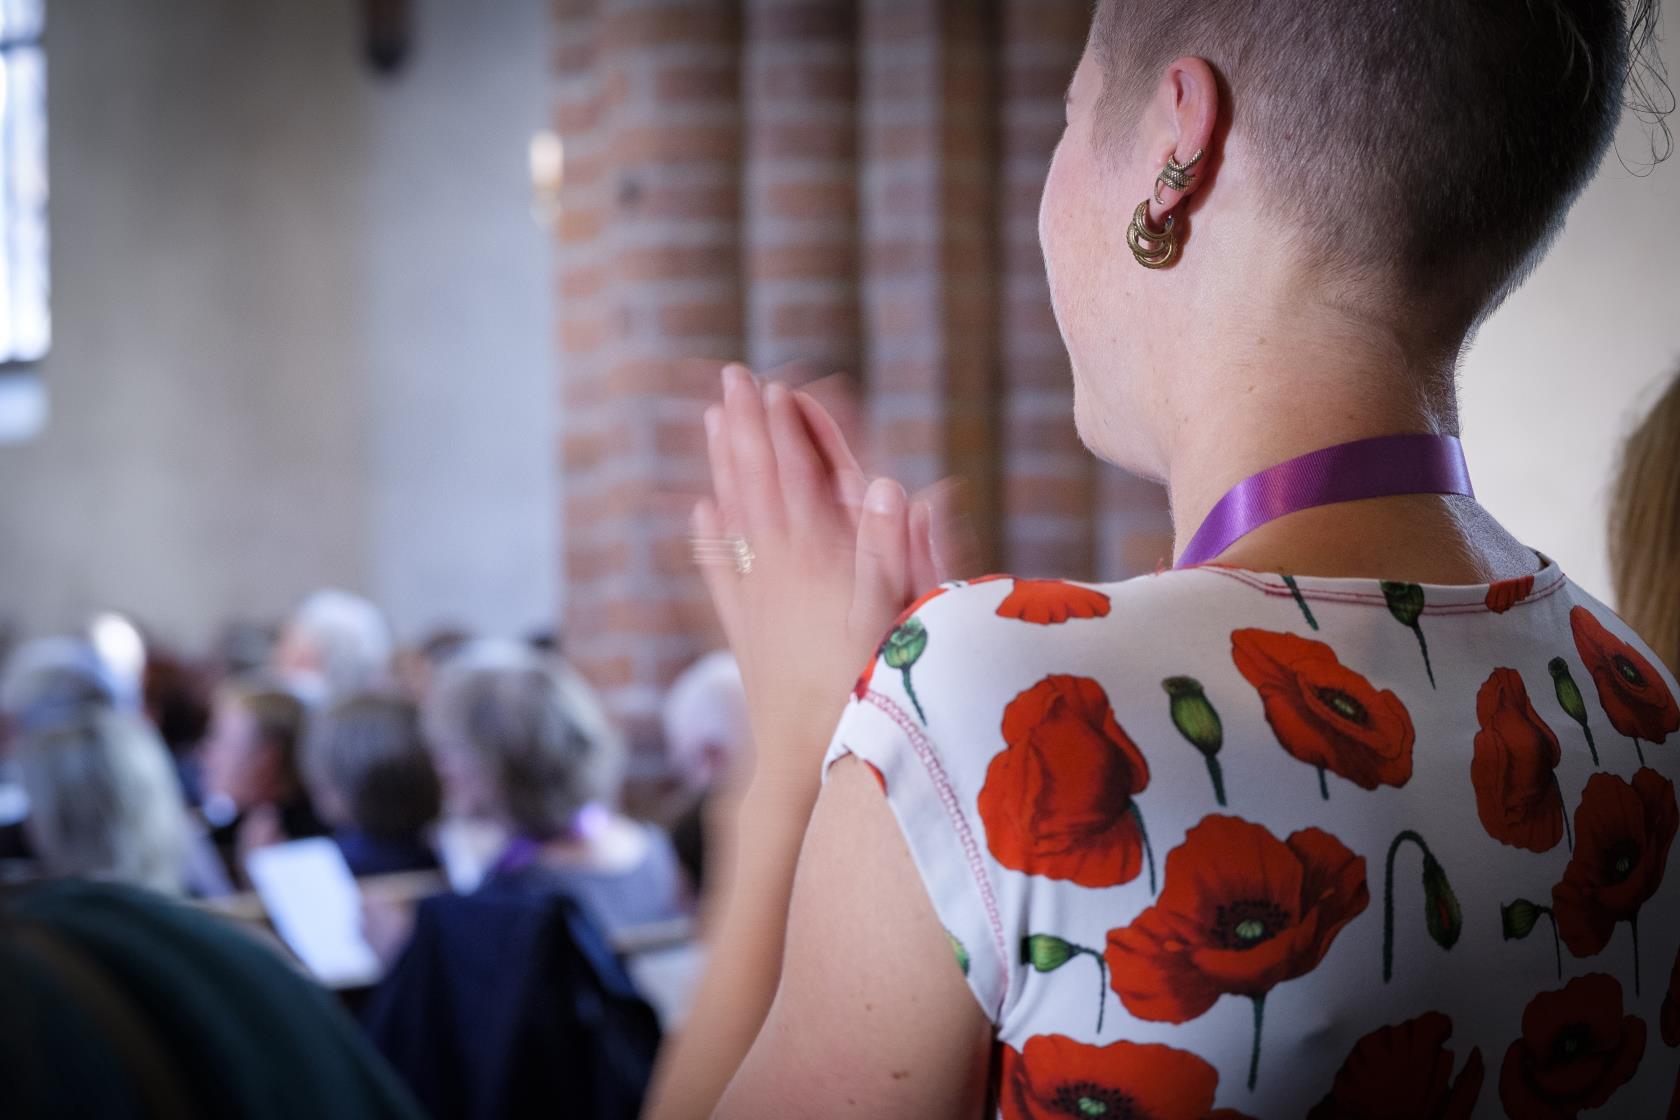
486 771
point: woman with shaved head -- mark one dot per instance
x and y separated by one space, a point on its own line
1363 808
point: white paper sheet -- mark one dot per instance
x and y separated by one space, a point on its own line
316 907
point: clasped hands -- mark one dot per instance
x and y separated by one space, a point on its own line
831 559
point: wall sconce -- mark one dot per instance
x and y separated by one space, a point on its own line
547 159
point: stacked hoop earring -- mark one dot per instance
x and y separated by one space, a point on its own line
1153 248
1157 248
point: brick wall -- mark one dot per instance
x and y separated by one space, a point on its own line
828 185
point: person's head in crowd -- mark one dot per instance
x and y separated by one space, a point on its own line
49 680
705 720
1645 528
104 801
250 755
243 647
417 665
119 1003
176 700
334 644
520 740
372 779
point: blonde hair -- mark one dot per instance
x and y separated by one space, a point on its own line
1645 528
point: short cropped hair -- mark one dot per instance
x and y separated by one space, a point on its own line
533 728
368 751
1433 146
104 800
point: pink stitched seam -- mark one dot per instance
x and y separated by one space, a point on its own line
971 850
1371 599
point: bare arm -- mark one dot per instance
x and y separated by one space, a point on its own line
872 1017
825 582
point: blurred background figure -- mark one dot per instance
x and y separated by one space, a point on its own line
527 745
334 644
176 700
372 781
1645 528
253 788
45 682
417 665
705 723
122 1004
104 802
48 679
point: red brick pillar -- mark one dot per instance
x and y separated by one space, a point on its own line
649 113
799 190
1135 529
929 269
1049 488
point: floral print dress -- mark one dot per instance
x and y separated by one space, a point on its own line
1217 843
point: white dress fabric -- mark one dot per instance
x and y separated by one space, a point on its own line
1219 843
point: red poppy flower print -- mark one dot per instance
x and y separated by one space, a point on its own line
1324 713
1239 913
1669 1017
1057 800
1632 692
1623 833
1507 593
1050 601
1576 1050
1404 1070
1052 1077
1513 767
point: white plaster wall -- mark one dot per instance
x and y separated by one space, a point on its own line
301 322
1559 373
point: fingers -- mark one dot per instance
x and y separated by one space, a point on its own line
881 584
848 478
722 582
952 539
807 498
756 481
924 569
722 463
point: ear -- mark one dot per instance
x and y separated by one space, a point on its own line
1183 113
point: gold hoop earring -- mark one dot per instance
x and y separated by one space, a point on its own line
1162 244
1176 176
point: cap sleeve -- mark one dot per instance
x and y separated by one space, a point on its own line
882 728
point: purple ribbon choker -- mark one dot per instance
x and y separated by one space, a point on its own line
1380 467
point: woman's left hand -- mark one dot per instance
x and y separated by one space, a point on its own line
828 575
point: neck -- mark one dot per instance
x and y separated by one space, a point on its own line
1271 407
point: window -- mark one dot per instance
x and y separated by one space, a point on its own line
25 316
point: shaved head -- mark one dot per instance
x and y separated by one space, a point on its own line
1431 147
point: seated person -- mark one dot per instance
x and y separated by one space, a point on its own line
104 802
253 793
120 1003
335 644
44 681
373 782
528 745
705 723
